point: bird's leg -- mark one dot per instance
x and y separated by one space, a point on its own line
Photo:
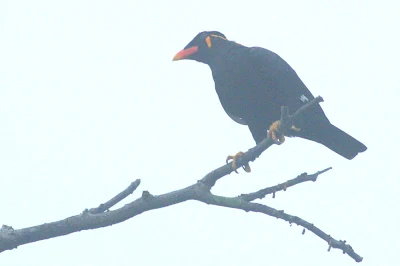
234 158
275 134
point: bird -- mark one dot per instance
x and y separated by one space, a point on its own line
253 83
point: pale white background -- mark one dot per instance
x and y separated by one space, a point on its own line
90 100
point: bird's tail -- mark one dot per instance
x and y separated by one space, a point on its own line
336 140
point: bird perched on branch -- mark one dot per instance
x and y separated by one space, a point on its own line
253 83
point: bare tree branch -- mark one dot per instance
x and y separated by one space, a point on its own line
239 203
304 177
97 217
105 206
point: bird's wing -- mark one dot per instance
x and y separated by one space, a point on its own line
289 87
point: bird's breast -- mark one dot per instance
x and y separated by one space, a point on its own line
240 91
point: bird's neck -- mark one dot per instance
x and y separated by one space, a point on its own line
223 53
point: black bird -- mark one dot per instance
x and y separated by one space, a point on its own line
253 83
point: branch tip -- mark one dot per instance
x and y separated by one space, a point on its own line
112 202
304 177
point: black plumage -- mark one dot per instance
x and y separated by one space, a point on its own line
253 83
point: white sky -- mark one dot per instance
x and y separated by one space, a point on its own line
90 100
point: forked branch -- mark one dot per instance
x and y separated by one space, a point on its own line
102 216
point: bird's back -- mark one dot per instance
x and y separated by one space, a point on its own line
253 83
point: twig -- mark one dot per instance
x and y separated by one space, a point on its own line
304 177
294 116
105 206
237 203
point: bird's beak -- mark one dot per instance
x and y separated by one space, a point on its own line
185 53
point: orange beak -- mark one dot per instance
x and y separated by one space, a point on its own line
185 53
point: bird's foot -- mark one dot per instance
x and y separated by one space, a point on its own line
234 158
275 134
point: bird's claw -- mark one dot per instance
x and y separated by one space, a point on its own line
234 158
275 134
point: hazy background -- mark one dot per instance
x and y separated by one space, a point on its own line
90 100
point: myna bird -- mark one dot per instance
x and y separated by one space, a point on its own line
253 83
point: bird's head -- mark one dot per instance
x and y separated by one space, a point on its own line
203 48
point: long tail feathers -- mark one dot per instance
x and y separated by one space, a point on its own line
336 140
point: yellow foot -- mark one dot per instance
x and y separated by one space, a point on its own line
234 158
274 133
